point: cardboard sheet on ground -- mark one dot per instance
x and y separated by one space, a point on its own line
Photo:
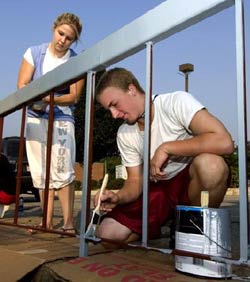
20 265
122 266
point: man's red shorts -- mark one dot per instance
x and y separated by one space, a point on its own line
164 196
6 199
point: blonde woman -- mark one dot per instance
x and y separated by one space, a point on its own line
37 61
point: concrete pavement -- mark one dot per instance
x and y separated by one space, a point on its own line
51 257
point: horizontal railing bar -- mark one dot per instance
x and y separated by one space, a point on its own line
157 24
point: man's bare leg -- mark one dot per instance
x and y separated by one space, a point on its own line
112 230
210 173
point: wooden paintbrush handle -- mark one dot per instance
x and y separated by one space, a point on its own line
103 187
204 199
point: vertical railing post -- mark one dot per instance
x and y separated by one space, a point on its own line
48 159
1 131
20 164
87 162
242 129
147 136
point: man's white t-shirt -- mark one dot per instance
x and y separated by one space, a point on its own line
173 113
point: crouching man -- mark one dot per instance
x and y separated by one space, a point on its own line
187 148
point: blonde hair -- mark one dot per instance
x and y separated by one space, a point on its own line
70 19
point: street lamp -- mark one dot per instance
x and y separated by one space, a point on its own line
186 69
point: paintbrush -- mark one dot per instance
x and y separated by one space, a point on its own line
96 214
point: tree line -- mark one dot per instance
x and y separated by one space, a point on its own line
233 161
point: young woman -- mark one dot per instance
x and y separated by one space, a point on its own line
37 61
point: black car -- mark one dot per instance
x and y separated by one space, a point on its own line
10 148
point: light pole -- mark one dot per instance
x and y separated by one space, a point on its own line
186 69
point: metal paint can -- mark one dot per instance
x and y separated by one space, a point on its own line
204 231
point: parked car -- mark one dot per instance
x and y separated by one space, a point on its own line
10 148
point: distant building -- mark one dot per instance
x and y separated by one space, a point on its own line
97 171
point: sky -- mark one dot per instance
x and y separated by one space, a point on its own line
208 45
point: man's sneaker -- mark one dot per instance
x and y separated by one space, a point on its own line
168 232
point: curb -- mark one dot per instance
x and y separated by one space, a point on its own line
230 192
